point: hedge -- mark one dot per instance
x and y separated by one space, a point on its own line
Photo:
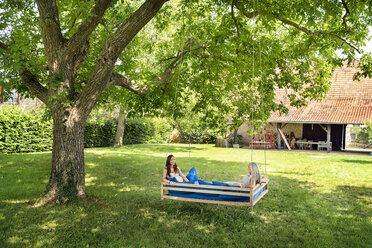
26 131
31 131
101 133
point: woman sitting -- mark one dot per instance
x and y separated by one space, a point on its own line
171 170
251 179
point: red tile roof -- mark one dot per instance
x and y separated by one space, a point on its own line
347 102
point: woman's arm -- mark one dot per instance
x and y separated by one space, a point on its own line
182 175
165 176
252 183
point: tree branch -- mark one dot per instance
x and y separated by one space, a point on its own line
87 27
4 46
31 82
297 26
50 30
120 80
233 17
347 13
114 45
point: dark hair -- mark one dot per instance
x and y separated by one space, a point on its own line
168 165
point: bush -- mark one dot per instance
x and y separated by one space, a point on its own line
29 131
161 132
100 133
198 135
24 131
138 131
365 134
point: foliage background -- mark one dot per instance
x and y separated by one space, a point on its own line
32 131
24 131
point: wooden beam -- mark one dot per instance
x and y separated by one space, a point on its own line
329 148
285 140
278 125
324 128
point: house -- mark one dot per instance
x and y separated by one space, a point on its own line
15 98
322 125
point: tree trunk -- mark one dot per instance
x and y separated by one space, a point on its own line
121 128
236 136
67 179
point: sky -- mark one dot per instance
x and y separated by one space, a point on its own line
368 47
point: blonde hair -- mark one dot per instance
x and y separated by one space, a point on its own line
255 171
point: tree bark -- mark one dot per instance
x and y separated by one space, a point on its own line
67 179
120 129
236 136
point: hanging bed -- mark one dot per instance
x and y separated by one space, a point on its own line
214 192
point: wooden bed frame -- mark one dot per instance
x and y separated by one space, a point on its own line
249 192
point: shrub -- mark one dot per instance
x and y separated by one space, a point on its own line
24 131
100 133
162 130
138 131
198 135
364 136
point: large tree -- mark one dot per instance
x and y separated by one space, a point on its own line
72 54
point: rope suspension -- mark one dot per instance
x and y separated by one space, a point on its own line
253 54
178 79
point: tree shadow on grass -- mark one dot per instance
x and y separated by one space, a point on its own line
356 161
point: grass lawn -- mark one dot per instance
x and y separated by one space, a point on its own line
314 200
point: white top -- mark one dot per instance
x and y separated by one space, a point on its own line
246 180
177 176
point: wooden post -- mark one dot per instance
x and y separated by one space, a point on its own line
278 125
285 140
329 148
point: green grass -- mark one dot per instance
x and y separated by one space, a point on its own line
314 200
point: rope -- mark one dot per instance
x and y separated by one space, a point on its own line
178 79
189 114
262 109
252 116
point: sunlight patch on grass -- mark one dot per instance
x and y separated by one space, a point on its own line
49 226
205 229
91 165
148 214
16 201
89 180
95 230
128 188
43 243
266 220
14 240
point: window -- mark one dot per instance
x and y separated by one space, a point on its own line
353 136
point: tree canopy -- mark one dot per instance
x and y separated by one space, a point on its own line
234 53
227 56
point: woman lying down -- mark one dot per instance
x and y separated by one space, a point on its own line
251 179
172 173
